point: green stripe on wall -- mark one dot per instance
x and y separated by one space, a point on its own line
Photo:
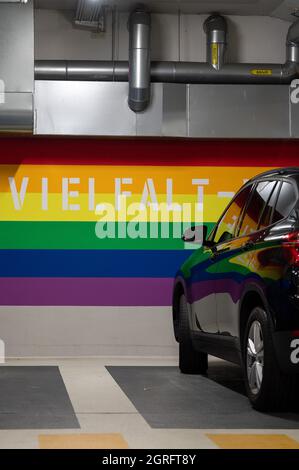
79 236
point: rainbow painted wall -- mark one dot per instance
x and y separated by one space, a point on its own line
50 254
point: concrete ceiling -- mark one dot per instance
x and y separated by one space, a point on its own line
278 8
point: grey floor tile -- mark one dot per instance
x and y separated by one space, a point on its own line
34 398
168 399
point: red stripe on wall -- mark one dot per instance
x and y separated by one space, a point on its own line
93 151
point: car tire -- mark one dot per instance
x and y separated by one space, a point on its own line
190 360
268 389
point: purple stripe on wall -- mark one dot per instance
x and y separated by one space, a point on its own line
86 291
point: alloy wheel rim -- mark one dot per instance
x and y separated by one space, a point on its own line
255 357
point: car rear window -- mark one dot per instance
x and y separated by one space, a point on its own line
286 201
260 196
266 219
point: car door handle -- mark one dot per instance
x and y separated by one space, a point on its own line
248 245
215 253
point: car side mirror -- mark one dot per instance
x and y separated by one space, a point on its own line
197 234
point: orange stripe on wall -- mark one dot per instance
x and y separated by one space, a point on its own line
220 178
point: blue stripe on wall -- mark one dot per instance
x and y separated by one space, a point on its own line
90 263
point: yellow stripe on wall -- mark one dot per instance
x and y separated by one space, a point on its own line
32 208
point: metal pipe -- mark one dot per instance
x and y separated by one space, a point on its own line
193 72
293 43
82 70
176 72
167 72
215 28
139 59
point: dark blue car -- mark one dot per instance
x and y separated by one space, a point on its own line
237 296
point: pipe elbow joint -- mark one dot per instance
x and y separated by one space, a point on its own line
293 43
215 24
139 16
293 34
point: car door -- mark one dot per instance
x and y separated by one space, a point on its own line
201 292
204 279
270 262
233 258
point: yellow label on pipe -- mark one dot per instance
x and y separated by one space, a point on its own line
261 72
214 54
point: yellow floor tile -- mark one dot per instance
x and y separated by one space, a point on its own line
82 441
254 441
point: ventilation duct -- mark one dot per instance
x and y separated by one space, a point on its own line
17 66
137 71
139 59
90 14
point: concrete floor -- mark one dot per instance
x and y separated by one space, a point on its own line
108 418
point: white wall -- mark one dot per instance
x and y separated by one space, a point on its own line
87 331
251 39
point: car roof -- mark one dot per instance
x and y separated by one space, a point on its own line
285 172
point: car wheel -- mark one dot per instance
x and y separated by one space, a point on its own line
190 360
268 389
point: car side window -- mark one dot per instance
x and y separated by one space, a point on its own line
256 205
226 226
286 201
266 218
